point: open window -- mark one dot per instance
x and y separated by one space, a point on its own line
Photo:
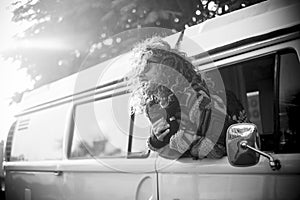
289 103
269 89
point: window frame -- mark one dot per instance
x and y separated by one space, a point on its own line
277 49
277 88
24 123
97 97
130 153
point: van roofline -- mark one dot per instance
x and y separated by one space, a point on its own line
201 35
255 20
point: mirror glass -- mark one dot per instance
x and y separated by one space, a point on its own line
236 134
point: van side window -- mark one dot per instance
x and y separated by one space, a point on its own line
141 132
101 128
289 103
253 83
39 136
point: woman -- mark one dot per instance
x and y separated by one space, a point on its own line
187 118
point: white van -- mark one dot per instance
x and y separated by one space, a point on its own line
75 138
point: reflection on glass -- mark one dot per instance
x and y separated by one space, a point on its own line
101 128
41 137
141 132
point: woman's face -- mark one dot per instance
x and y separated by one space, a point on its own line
153 74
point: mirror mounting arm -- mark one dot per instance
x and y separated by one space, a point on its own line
274 163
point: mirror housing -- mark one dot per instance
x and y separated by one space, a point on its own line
243 143
237 135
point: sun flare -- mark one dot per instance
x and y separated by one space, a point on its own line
12 79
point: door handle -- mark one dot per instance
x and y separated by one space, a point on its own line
57 173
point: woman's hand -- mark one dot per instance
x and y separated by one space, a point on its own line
160 129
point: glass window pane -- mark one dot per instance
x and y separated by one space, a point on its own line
289 103
101 128
39 136
141 132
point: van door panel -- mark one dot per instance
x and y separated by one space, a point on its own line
116 178
34 181
216 179
36 151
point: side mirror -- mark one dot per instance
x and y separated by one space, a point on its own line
237 155
243 143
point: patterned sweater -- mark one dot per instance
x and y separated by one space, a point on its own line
199 130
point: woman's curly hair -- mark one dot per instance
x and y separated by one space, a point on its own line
155 50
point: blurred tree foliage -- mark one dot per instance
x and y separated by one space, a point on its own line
64 32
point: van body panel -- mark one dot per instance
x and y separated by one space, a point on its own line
221 166
85 82
261 19
122 164
117 178
33 181
240 56
42 185
54 91
106 185
216 179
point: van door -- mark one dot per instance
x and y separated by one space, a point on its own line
104 160
34 154
268 86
